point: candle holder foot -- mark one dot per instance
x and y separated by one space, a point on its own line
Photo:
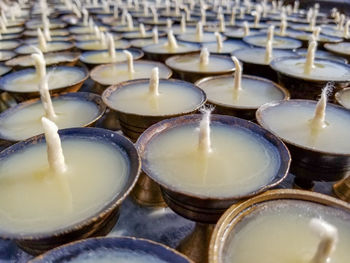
342 189
196 245
147 192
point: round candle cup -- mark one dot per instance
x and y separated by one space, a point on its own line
290 73
205 201
228 47
278 42
88 37
254 61
340 49
321 39
34 40
162 51
342 97
135 118
65 58
278 218
11 36
9 44
255 92
53 46
187 67
22 121
11 30
130 249
111 74
93 58
97 45
23 84
102 216
316 157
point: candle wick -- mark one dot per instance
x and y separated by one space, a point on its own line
142 30
237 86
199 31
183 24
41 40
103 40
169 23
233 16
222 25
155 35
130 62
283 25
111 47
246 29
204 144
346 29
268 52
219 43
316 33
327 244
172 43
270 33
310 57
154 82
130 22
318 122
204 57
203 16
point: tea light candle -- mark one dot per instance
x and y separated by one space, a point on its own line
45 48
101 44
281 224
278 41
224 47
115 73
53 33
54 172
142 33
199 36
200 158
77 30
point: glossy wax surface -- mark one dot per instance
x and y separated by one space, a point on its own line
279 232
35 200
240 161
257 55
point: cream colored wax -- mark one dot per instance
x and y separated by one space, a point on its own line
253 92
33 198
340 48
103 57
291 120
238 163
173 98
8 44
280 232
345 98
25 122
51 47
50 59
278 42
28 80
120 256
98 45
166 48
325 70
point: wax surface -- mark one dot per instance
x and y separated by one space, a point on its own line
50 59
278 42
116 73
140 43
4 70
279 232
6 55
29 81
325 70
8 44
53 32
257 55
51 47
342 48
191 37
84 30
227 46
97 45
26 122
173 98
103 57
192 63
120 256
240 161
253 94
33 200
292 122
164 48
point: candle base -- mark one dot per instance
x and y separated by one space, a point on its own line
303 184
342 189
147 192
196 245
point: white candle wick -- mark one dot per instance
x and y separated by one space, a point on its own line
172 43
145 8
103 40
341 22
183 24
130 61
54 149
142 30
47 30
246 29
97 32
3 25
318 120
41 40
257 16
268 52
270 33
115 12
296 6
155 15
310 57
346 29
219 43
233 16
222 25
91 24
199 32
329 239
203 16
111 47
169 23
283 25
130 22
316 33
155 35
154 82
204 57
237 86
204 143
40 65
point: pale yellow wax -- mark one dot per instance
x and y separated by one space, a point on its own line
253 92
341 48
191 37
291 122
50 59
97 45
239 161
51 47
192 63
257 55
32 199
137 34
115 73
4 70
165 48
29 82
26 121
53 32
278 42
345 99
325 70
11 30
227 47
280 232
113 256
173 98
6 55
91 37
84 30
8 44
104 57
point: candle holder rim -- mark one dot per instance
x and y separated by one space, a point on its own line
274 66
137 54
69 247
167 124
124 85
124 145
30 70
297 42
140 61
237 212
169 61
267 105
285 92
